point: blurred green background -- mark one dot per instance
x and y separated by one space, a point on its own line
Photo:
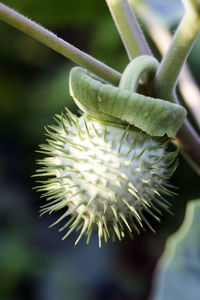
34 262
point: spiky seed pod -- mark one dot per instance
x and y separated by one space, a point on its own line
103 171
104 176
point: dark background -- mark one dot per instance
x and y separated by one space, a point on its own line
34 262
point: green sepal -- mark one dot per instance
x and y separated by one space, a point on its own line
103 101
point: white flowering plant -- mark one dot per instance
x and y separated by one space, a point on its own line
110 168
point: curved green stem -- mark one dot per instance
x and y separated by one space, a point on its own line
129 29
171 64
51 40
136 69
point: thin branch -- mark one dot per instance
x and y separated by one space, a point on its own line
172 62
157 30
51 40
189 143
128 27
191 93
192 7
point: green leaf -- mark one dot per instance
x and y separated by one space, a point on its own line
178 272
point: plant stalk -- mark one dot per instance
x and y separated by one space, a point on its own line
189 143
129 29
48 38
168 73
